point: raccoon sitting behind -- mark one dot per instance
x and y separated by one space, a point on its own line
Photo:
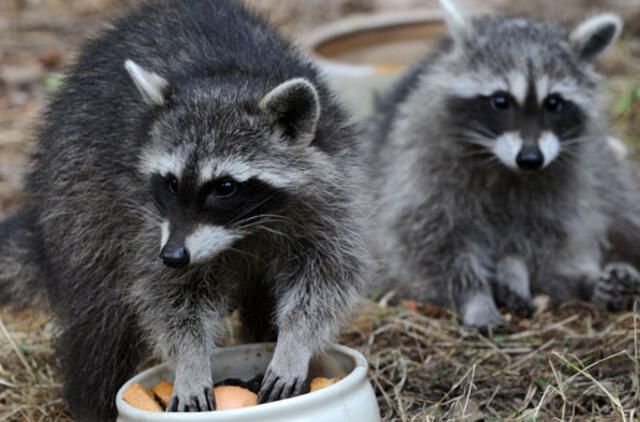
495 178
193 164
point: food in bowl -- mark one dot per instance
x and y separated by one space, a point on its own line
140 397
320 382
229 394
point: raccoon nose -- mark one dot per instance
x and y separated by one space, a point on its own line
530 158
175 258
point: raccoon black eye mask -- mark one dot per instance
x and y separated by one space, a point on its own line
219 202
218 211
527 136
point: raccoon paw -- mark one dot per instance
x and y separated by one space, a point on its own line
480 312
507 298
198 400
279 387
287 373
618 287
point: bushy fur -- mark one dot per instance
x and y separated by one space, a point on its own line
294 272
20 254
456 226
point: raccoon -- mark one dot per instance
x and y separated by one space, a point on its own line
495 178
195 163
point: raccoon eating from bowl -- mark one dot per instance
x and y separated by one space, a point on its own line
194 163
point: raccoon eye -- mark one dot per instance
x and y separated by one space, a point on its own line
500 101
224 188
553 103
172 183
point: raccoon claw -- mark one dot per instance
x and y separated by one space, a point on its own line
200 402
275 387
618 287
507 298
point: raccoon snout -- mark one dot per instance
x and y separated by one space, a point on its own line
530 158
175 257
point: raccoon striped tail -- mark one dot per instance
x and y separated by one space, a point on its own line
21 283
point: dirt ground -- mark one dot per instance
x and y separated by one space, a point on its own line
575 362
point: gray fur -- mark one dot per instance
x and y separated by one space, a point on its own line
457 226
19 260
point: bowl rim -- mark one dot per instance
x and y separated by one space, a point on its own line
361 23
348 383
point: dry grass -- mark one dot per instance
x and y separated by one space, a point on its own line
29 382
572 363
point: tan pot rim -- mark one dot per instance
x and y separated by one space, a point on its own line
362 24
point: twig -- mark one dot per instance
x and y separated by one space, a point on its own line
548 328
544 394
454 387
466 401
614 400
17 350
13 412
517 364
560 388
493 395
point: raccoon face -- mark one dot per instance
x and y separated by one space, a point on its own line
526 135
522 91
202 220
220 170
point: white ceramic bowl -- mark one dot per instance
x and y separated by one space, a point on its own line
351 399
364 54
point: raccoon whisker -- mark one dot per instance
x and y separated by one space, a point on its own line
570 137
255 222
244 211
490 162
572 142
128 202
476 140
568 154
571 152
261 225
257 227
262 216
475 133
143 212
478 152
272 231
245 253
147 219
300 228
478 130
479 135
150 214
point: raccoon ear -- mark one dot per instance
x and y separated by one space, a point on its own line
152 86
295 107
592 37
457 20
